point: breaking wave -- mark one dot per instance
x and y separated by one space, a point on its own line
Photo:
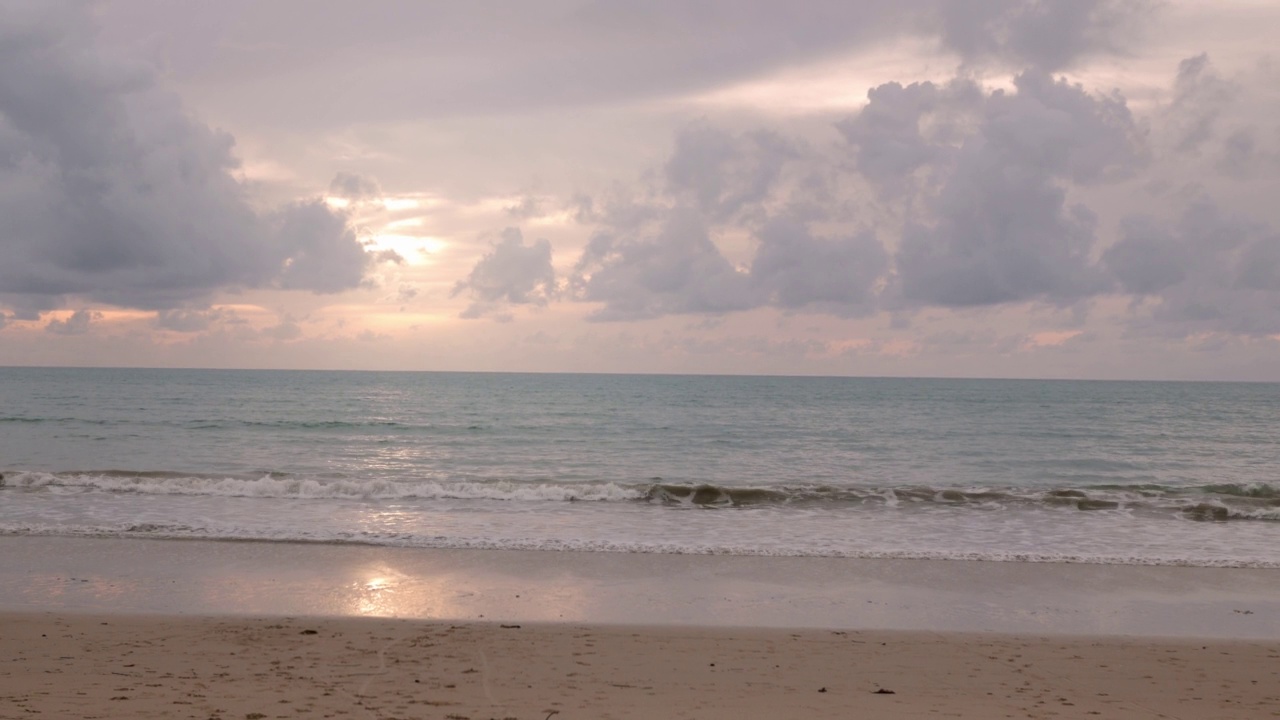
169 531
1211 503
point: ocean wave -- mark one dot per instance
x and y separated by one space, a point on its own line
162 531
307 425
280 485
382 426
1204 503
1208 503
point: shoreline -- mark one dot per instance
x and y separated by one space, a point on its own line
213 578
614 549
116 628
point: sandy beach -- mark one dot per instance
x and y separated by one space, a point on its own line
109 666
93 628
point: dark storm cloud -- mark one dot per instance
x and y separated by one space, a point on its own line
999 228
112 193
511 273
1205 272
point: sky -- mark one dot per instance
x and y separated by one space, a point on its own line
972 188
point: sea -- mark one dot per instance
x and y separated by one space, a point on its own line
1149 473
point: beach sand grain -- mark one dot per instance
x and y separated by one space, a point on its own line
137 666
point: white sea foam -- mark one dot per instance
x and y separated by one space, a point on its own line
180 532
1210 503
270 486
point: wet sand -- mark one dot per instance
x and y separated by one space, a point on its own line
184 629
274 579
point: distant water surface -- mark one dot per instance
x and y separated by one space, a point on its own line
1108 472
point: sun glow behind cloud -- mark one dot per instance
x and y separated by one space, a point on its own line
415 249
424 174
832 85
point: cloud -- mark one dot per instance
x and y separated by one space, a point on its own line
354 186
112 193
1240 152
511 273
798 270
529 207
1043 34
893 141
1200 99
982 179
668 268
285 330
345 63
654 254
77 323
188 321
673 267
1218 125
999 227
1203 258
1205 272
321 251
721 173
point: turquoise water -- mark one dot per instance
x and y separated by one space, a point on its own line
1141 472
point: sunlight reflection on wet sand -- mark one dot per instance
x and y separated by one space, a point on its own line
239 578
